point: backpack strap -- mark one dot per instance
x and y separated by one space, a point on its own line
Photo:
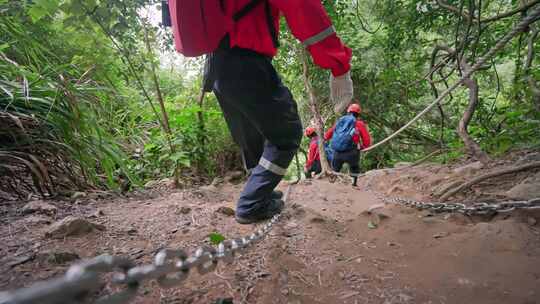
246 9
271 28
269 20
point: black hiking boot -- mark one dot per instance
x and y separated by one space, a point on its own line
267 210
276 194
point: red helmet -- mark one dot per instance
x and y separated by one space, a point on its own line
354 108
309 131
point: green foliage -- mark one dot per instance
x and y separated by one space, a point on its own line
392 43
216 238
79 105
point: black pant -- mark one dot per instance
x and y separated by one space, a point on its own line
350 157
262 117
315 168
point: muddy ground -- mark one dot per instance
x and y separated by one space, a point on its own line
326 249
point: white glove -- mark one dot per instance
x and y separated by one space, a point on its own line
341 91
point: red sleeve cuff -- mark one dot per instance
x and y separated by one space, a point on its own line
332 54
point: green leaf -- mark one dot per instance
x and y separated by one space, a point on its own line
36 12
371 225
216 238
41 8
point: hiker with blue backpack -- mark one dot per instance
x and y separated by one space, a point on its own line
241 37
348 137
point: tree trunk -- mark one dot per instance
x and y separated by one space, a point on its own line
164 115
472 147
319 124
533 86
201 132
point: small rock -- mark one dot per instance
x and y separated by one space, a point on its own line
234 177
317 219
184 210
151 184
57 257
323 209
40 207
372 225
208 191
440 235
216 181
132 231
77 195
531 221
524 191
372 208
458 218
228 211
97 213
71 226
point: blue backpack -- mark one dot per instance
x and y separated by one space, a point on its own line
329 152
343 133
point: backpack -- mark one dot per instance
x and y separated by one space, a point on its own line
329 153
200 25
343 133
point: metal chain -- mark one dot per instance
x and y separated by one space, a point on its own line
473 209
170 268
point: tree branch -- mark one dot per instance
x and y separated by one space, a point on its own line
451 192
512 12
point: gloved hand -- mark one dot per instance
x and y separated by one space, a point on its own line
341 91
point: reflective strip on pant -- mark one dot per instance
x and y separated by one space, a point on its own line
268 165
319 37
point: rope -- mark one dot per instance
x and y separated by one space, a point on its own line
520 27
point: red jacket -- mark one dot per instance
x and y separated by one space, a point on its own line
313 154
361 133
308 22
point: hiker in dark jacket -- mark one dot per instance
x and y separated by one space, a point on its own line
349 135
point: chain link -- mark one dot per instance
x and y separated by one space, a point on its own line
474 209
169 268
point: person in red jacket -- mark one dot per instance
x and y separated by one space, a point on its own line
361 140
313 162
259 109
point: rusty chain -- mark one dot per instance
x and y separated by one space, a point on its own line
169 268
472 209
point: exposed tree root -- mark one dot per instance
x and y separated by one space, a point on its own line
451 192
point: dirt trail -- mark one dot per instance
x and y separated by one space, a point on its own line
324 250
